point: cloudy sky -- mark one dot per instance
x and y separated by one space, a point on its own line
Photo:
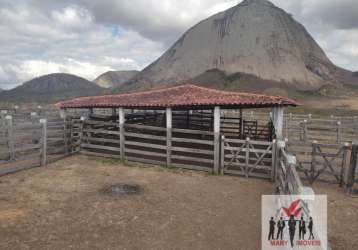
89 37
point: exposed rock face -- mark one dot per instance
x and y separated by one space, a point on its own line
115 79
254 37
50 88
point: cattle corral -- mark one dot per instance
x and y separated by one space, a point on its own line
97 134
194 128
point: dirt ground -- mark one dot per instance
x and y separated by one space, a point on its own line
61 207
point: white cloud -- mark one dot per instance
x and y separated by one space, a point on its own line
88 37
73 17
66 40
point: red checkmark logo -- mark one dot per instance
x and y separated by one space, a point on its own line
293 209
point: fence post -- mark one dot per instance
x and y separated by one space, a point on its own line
305 131
289 125
65 130
278 113
313 161
279 145
339 132
345 165
10 135
352 167
247 157
168 112
274 156
44 142
121 133
216 125
34 120
241 125
83 119
222 155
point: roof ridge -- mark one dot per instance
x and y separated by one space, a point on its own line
237 93
178 95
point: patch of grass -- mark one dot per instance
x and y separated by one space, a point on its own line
105 160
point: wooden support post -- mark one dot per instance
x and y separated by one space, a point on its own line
187 119
63 115
351 178
313 161
345 165
169 125
222 155
274 158
83 120
241 125
44 142
121 133
247 157
10 135
279 146
339 132
34 119
277 113
305 131
216 125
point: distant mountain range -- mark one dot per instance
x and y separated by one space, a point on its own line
115 79
254 38
51 88
254 46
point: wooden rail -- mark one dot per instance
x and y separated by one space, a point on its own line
26 142
247 157
317 161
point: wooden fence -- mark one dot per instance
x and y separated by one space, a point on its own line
309 128
328 162
21 141
288 182
191 149
27 142
194 149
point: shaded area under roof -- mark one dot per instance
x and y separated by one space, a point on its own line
183 96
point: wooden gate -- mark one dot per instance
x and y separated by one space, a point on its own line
247 158
321 161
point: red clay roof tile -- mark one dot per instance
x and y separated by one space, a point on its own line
179 96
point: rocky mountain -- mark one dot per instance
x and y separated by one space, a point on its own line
51 88
115 79
254 38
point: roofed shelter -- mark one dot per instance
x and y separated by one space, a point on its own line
186 107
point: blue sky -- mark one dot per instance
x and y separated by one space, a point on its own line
89 37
